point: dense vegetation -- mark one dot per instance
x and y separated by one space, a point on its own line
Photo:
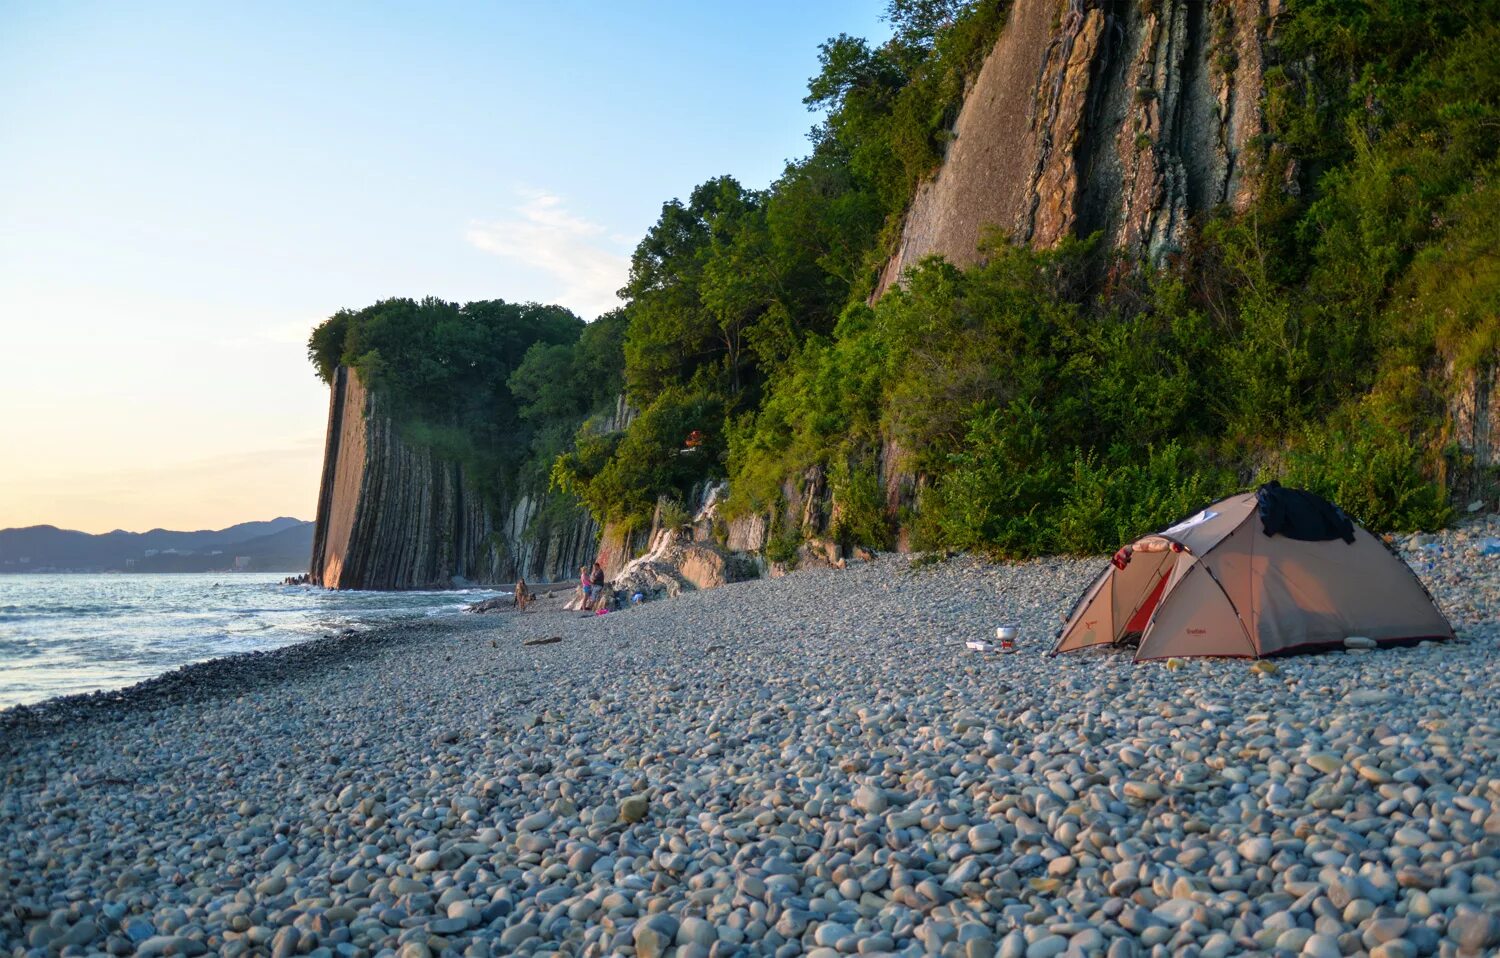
1052 400
500 387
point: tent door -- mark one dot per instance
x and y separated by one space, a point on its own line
1142 617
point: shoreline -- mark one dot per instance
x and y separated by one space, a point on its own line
197 682
812 765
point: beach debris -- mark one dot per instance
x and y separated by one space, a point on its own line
1006 636
1263 667
500 603
549 640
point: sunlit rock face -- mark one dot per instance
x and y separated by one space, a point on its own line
1124 118
395 516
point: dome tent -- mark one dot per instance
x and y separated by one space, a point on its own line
1221 583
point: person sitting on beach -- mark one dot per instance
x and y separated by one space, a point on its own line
523 595
596 582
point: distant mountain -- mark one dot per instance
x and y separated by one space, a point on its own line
281 544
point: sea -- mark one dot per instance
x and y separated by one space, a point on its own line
67 634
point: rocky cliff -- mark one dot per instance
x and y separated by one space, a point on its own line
395 516
1125 118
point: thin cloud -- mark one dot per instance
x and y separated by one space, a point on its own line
581 255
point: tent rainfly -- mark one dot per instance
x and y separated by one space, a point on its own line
1273 571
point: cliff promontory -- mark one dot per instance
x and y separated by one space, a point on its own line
393 515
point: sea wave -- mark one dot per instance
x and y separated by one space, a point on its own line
78 633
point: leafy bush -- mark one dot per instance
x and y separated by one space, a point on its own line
860 516
620 477
996 496
672 514
1376 474
1130 492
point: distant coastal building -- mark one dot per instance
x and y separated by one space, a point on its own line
242 563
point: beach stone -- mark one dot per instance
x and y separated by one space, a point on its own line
1326 763
654 935
513 936
170 945
1382 930
1217 945
696 931
830 933
1256 850
633 809
984 837
138 930
1359 642
1177 911
1473 930
465 913
1048 947
870 800
1076 803
1013 945
1322 946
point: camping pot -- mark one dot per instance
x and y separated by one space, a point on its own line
1006 633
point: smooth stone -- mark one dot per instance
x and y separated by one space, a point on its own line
696 931
1257 850
1322 946
1325 762
633 809
1473 930
870 800
1049 947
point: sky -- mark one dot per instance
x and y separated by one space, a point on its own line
186 189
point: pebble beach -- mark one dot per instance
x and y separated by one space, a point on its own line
811 765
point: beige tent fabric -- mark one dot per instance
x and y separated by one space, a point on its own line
1307 593
1092 623
1114 598
1231 562
1237 591
1134 584
1196 619
1227 516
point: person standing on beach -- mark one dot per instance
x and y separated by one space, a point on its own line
585 586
